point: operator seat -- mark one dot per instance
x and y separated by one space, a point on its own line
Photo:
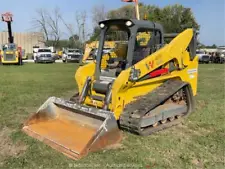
142 52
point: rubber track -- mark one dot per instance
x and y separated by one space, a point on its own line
134 111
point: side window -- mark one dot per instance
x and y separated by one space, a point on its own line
142 47
143 38
148 41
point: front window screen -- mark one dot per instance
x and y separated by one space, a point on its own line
113 59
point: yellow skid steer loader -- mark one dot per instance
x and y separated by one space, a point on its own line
149 89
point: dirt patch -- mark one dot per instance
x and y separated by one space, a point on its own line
2 94
198 163
201 104
115 146
7 147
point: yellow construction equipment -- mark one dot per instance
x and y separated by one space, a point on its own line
148 87
60 53
10 52
91 49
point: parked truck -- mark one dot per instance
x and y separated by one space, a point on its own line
72 55
44 55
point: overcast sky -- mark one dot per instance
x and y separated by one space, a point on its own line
210 14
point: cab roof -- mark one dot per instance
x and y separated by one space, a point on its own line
137 23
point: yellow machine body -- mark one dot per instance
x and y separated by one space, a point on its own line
60 53
14 54
124 92
142 97
89 47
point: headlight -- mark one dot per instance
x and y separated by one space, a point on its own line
102 25
129 23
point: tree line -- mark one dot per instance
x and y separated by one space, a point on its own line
51 24
173 18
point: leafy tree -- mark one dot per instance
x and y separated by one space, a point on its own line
75 44
95 34
214 46
126 12
70 43
74 37
173 18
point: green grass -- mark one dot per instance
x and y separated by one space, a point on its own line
199 142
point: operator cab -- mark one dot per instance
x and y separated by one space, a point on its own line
135 40
9 46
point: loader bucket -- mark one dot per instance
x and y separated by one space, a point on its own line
73 129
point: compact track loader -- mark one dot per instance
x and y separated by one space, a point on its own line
150 88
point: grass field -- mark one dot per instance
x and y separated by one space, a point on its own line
199 142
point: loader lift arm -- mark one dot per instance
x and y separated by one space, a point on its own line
171 53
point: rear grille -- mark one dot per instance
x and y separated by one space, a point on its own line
46 55
9 57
